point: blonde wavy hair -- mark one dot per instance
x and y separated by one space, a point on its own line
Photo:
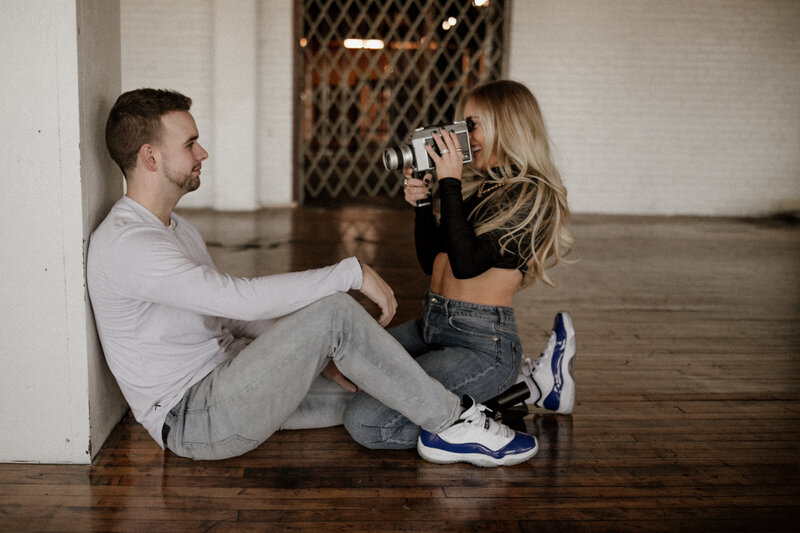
531 210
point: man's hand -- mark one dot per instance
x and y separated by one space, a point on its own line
376 289
332 373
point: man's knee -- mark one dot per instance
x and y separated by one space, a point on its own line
336 302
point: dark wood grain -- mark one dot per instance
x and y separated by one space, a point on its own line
687 414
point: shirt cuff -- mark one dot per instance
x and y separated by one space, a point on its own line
354 265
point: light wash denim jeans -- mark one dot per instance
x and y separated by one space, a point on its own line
275 383
471 349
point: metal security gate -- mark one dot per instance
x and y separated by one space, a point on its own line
369 72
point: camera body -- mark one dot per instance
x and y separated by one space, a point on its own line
414 155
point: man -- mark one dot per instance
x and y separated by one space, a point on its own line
176 332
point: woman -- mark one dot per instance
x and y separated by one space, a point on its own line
497 234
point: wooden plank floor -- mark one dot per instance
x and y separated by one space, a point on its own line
687 415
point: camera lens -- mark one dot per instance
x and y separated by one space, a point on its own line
390 158
397 157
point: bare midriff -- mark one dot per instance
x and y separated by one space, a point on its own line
494 287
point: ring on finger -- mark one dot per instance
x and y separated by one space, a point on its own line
405 183
445 151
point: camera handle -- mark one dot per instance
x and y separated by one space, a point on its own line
420 174
503 402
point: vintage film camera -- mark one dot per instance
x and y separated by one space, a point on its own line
413 153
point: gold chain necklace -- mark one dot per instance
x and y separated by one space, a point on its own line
482 189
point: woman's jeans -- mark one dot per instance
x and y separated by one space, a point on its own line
275 383
471 349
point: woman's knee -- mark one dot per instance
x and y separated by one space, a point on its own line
358 422
375 426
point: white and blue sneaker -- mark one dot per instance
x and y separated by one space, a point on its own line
477 439
551 379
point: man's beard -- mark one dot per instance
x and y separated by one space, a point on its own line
191 183
188 182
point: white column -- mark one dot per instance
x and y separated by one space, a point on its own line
99 86
276 106
235 111
60 69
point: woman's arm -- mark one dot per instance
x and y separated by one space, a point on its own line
469 255
426 237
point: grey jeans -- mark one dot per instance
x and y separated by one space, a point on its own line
275 383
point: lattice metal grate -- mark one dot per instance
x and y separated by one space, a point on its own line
355 102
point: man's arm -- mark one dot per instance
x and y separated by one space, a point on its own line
147 266
372 286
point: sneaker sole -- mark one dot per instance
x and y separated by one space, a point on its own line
435 455
567 396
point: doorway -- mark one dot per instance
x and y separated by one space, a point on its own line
369 73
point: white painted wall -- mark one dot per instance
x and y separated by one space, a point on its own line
667 106
234 59
55 392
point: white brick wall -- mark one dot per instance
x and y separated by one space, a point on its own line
655 106
168 45
171 45
666 106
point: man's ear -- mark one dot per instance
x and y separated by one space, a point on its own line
147 157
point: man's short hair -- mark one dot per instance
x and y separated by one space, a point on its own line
135 120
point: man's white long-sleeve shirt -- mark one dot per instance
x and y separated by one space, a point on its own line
166 317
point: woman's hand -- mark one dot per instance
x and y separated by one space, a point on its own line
416 189
449 163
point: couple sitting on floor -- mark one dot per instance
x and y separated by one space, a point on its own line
212 365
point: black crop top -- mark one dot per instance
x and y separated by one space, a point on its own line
469 255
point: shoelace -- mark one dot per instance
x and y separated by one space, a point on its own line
529 367
479 419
